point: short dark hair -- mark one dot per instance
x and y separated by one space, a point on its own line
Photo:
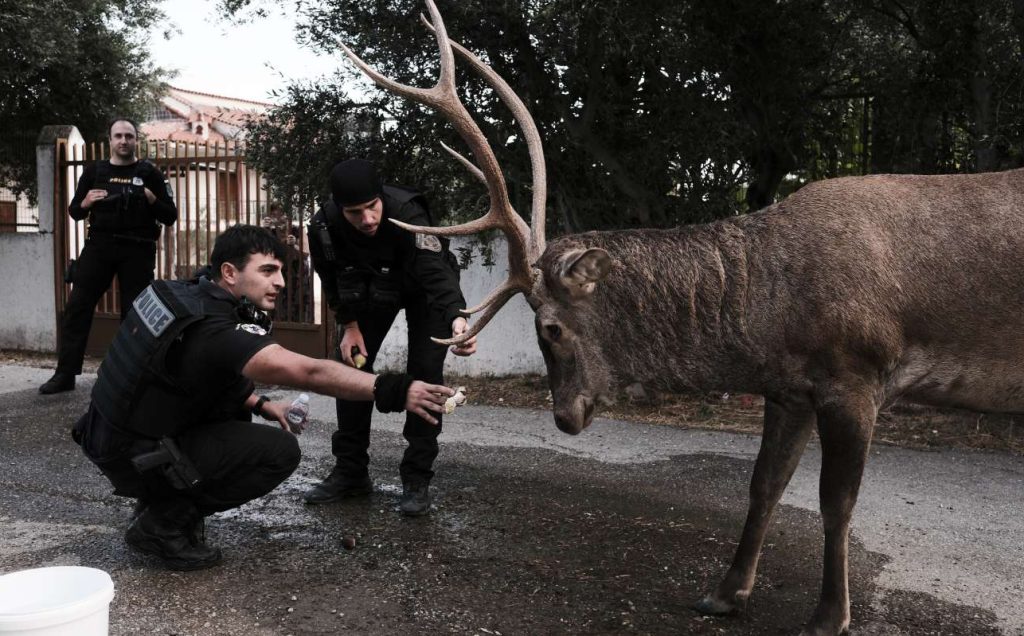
239 242
110 124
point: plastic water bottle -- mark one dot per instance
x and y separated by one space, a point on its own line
297 413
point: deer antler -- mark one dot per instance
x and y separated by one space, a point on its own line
523 247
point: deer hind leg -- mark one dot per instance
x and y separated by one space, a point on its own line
844 426
786 429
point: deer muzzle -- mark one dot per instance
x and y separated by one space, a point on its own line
577 417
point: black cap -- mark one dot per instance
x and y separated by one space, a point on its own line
355 181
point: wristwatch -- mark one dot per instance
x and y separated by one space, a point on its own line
257 409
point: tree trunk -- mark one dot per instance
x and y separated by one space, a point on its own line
769 168
986 154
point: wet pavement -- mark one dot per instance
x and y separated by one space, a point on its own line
617 530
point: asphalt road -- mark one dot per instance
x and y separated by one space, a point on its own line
617 530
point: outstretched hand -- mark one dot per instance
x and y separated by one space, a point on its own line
423 398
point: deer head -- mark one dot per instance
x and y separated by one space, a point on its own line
558 284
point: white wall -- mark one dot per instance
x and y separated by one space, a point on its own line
26 260
506 346
26 290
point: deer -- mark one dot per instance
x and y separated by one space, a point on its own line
845 296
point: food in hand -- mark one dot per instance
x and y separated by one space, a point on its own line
358 359
456 400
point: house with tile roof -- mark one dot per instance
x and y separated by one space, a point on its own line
188 116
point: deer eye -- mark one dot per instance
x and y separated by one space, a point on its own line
554 332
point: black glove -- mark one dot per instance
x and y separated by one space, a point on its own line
390 391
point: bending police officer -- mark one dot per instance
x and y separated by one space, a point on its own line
125 200
169 423
370 269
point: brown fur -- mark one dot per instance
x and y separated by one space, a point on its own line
849 294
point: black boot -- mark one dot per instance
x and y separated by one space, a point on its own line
138 509
337 487
58 383
415 500
173 531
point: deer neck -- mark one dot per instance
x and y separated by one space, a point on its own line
697 281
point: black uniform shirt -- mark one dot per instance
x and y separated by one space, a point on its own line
208 361
421 265
138 218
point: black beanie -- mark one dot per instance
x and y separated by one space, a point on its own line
355 181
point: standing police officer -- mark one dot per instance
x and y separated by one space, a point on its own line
125 200
169 422
370 269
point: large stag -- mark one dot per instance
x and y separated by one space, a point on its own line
831 304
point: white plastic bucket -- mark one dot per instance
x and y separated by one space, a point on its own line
57 601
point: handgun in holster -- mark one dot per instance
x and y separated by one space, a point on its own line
179 471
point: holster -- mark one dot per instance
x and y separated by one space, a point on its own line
176 467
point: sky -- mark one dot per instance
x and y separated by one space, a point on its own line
246 61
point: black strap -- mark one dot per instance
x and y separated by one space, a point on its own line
390 391
257 409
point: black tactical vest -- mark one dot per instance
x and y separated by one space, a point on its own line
125 207
134 367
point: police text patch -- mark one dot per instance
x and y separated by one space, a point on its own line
251 328
428 242
154 313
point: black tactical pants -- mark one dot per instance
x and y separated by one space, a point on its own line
426 363
101 259
238 461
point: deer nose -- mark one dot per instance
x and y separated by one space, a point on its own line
577 417
566 424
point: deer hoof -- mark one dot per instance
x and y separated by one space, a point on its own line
711 606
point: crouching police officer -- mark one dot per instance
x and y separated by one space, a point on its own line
169 423
125 200
370 269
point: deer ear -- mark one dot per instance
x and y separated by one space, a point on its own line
579 271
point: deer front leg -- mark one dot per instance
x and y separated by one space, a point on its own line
786 430
845 427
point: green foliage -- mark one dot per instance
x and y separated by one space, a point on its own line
69 63
664 112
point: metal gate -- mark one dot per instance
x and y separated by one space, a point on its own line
213 189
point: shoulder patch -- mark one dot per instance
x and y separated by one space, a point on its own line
428 242
170 192
154 313
251 328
